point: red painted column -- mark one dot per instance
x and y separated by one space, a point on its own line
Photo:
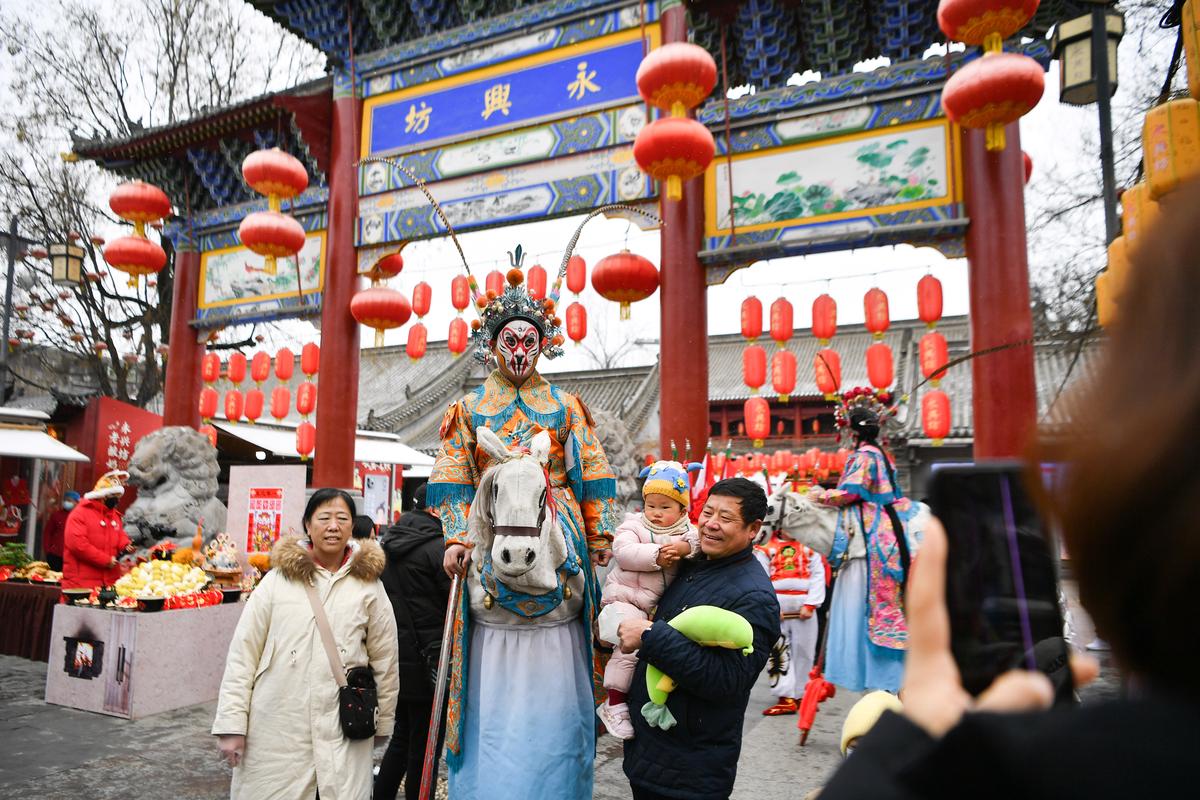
182 383
337 383
683 349
1005 392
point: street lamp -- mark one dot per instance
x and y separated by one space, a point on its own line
66 264
1086 49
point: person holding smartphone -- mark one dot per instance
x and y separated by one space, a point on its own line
1127 514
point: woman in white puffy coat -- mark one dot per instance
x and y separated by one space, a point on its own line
277 715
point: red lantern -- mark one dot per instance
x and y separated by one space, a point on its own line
824 318
875 307
236 370
935 416
276 174
234 403
781 321
879 365
380 308
674 149
985 23
456 342
387 267
752 318
624 278
535 282
934 355
139 202
991 92
754 367
827 366
210 368
495 283
840 458
285 364
310 359
460 293
422 297
576 274
208 403
306 398
260 367
281 401
254 405
929 300
136 256
417 339
271 235
676 77
1028 162
576 322
758 419
306 439
210 433
783 374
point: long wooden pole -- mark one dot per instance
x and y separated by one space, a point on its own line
439 690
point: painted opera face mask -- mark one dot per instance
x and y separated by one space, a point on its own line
517 348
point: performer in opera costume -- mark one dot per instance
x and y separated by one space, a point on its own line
798 575
521 717
871 550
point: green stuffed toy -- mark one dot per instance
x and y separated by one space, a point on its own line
708 626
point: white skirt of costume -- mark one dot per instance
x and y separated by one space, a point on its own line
529 719
851 660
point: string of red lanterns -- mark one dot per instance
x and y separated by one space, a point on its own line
140 203
271 234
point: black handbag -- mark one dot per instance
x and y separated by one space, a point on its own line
358 702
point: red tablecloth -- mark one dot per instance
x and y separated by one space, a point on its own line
26 614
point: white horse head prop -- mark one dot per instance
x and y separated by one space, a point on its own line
795 516
513 515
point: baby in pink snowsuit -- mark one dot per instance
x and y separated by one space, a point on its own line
646 549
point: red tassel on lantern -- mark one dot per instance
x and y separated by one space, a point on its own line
233 405
934 355
752 318
417 340
306 439
576 322
935 416
306 398
457 341
281 402
929 300
208 403
310 359
210 368
783 374
237 368
260 367
754 367
758 420
879 365
875 308
827 366
285 364
824 318
254 405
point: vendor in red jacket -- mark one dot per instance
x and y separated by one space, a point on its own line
95 537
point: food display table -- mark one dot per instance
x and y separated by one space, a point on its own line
132 665
26 613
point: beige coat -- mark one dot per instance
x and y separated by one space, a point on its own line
278 688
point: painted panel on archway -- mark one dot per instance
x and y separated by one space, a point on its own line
835 193
565 82
234 287
548 188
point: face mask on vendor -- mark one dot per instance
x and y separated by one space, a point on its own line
517 348
111 502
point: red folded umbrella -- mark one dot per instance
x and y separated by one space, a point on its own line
816 691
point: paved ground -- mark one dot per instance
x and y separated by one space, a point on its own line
55 752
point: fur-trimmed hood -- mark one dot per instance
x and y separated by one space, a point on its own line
294 560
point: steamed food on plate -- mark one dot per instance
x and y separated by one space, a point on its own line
161 579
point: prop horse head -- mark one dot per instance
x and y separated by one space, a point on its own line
513 518
797 517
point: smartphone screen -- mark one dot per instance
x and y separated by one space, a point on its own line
1001 577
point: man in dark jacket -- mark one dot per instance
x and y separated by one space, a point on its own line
697 758
419 589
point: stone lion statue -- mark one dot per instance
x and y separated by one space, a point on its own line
175 472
